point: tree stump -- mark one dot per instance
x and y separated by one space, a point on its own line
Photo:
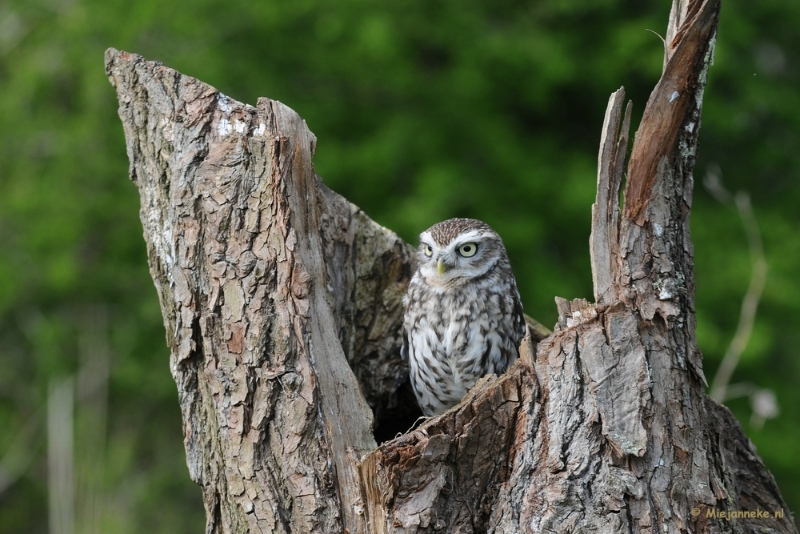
282 305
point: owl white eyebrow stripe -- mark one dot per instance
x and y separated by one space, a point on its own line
469 237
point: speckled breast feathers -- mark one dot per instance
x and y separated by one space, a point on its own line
463 316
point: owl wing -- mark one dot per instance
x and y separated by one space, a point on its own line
404 347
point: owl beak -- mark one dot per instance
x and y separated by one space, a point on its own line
442 267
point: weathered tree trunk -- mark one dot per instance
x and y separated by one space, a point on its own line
282 306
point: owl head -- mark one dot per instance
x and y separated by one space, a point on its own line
456 251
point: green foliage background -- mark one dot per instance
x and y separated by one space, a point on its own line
423 110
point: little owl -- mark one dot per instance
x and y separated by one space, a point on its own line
463 316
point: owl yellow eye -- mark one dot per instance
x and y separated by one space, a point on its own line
468 249
428 250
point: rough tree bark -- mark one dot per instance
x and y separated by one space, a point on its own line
282 307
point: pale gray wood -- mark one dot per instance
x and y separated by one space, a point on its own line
604 246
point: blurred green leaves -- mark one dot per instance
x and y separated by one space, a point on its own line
423 111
